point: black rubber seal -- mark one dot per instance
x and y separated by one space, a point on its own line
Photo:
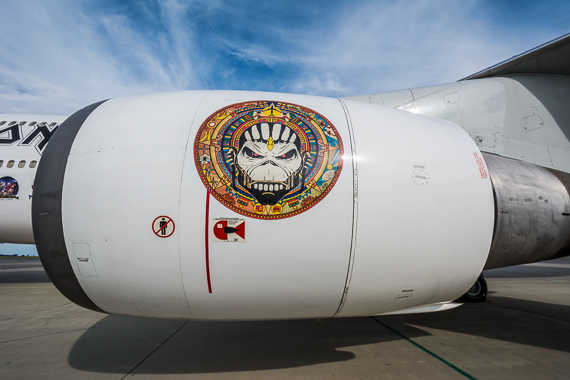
46 210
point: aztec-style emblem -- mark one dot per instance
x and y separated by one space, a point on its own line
9 188
268 160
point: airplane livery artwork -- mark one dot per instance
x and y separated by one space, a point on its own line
268 160
8 188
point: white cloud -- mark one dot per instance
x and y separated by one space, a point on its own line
404 44
62 59
59 56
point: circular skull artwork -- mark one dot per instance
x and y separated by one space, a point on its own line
268 160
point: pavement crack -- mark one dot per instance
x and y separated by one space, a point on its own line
528 312
153 351
41 336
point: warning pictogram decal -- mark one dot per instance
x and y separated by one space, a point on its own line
163 226
481 164
229 230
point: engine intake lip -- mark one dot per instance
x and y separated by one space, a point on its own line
47 220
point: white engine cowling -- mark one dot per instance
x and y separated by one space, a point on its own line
324 207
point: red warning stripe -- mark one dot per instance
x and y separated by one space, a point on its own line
207 241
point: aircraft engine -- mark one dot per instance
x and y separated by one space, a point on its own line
254 205
532 212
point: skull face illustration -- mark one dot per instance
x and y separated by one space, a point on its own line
269 161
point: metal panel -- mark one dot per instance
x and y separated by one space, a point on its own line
388 99
520 116
430 105
294 267
123 172
22 137
532 213
425 211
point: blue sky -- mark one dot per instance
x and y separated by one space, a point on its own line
58 56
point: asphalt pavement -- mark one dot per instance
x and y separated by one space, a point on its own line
523 332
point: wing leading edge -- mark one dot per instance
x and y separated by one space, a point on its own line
552 57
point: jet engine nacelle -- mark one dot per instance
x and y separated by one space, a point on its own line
255 205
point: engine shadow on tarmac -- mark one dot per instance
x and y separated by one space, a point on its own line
117 344
208 347
512 321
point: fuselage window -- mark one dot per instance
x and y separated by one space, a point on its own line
1 163
21 164
33 164
2 122
10 164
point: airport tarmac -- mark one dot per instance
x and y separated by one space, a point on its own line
522 333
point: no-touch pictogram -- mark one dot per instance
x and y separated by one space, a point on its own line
163 226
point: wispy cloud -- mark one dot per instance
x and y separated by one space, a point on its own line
58 56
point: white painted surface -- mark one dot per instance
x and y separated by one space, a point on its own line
522 116
15 214
132 161
440 306
431 239
288 268
124 170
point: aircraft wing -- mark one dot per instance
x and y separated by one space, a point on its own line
552 57
517 108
